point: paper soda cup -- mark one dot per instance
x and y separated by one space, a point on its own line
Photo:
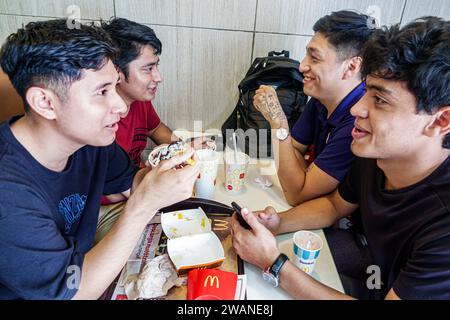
235 171
206 181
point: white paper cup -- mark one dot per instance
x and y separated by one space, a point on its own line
307 246
235 171
206 182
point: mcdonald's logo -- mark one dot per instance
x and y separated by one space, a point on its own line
212 279
220 225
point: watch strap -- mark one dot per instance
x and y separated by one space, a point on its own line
278 264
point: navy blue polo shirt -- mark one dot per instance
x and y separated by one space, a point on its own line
331 137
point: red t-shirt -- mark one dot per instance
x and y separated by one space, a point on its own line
133 130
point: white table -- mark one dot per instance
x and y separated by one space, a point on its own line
256 198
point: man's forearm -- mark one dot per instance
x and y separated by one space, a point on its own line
302 286
123 196
112 251
162 135
311 215
292 172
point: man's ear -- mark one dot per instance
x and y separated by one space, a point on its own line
353 67
43 101
122 77
440 124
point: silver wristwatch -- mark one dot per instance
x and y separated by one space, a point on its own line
282 133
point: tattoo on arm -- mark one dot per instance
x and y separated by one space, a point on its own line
274 108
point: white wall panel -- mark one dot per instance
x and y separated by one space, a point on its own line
265 42
419 8
222 14
201 70
91 10
299 16
10 24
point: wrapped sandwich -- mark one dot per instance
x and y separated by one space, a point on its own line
165 152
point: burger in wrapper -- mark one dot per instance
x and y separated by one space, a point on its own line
165 152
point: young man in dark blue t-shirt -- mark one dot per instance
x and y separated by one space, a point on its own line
400 183
60 157
332 78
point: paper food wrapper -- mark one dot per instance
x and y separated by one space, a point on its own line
191 242
154 281
167 151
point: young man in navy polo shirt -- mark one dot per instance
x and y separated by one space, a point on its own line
331 70
400 181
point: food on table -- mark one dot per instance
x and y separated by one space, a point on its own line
166 152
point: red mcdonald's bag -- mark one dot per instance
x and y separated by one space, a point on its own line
211 284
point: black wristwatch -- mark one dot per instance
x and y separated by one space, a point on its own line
272 274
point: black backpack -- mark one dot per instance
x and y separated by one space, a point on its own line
276 70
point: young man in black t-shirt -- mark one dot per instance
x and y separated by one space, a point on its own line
60 157
400 183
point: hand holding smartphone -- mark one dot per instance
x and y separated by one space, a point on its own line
241 220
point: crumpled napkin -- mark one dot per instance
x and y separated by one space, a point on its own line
157 277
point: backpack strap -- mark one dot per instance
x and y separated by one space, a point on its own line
284 53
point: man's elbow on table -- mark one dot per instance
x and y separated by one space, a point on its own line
294 194
292 198
316 183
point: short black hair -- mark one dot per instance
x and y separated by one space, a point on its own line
347 31
130 37
417 54
53 53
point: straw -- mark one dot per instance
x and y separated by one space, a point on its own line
235 146
308 244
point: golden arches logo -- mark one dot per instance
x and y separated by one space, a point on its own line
212 279
220 225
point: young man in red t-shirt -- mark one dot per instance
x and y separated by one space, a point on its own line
137 63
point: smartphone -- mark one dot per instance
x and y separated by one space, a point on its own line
241 220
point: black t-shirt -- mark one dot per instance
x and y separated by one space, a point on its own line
408 229
48 219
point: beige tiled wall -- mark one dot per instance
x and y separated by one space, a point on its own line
209 44
298 16
218 14
266 42
201 68
419 8
91 10
10 23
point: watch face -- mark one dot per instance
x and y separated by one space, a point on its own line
282 134
270 278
